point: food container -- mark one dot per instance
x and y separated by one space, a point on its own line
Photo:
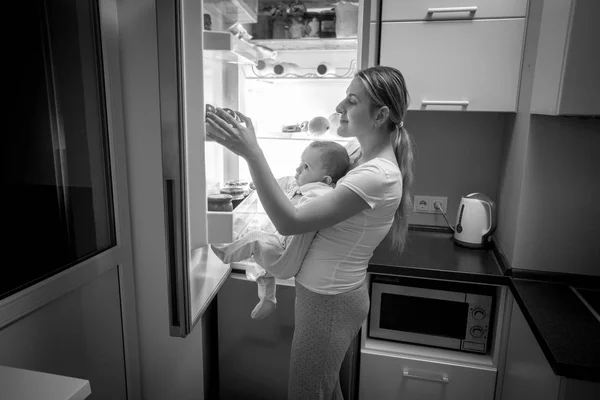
220 202
238 183
236 193
327 24
313 24
346 19
264 26
279 28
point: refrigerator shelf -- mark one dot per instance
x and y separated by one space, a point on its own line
300 136
316 44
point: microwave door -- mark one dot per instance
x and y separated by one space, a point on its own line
418 315
194 273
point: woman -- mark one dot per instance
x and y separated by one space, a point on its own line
332 300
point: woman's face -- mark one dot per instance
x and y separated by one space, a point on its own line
355 111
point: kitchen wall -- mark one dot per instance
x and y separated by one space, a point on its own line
455 153
547 217
558 217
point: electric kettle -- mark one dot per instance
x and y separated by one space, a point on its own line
475 220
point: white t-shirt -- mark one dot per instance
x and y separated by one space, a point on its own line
339 255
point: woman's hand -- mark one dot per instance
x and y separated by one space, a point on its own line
238 137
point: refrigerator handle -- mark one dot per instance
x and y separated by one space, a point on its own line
177 316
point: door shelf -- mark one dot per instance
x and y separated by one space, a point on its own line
345 74
224 46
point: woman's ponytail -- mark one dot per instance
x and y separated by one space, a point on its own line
386 87
403 147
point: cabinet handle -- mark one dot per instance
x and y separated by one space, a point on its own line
470 9
440 379
460 103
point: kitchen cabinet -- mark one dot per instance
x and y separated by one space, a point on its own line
411 10
566 80
452 65
463 61
527 373
394 376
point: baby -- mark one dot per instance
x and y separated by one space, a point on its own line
322 164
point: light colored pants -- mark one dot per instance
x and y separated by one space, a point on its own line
325 325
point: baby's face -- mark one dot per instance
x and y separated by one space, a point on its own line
310 168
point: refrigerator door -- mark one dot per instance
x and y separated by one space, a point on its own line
195 274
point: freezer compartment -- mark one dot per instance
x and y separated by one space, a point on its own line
225 227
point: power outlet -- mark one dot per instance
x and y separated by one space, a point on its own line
427 204
435 203
421 204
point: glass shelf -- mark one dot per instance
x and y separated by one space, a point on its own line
301 136
305 44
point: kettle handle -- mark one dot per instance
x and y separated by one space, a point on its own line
490 215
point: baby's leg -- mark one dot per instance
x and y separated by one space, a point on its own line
241 249
266 294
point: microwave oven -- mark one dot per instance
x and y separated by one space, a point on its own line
452 315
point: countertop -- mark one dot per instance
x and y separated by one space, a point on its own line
432 253
566 330
24 384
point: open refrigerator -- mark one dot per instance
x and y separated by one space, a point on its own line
227 54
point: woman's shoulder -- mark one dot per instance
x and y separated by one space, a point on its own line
378 164
378 172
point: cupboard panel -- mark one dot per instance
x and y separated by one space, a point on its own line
396 377
410 10
457 65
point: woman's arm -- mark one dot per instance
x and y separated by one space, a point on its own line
328 210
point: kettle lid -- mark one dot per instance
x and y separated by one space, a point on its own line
478 196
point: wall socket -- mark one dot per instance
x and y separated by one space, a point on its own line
427 204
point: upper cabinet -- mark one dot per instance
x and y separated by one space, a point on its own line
417 10
566 80
463 57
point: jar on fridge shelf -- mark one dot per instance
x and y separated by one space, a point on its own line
220 202
297 28
263 28
239 183
237 195
313 25
280 26
327 29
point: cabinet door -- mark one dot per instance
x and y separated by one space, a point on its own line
410 10
527 374
395 377
457 65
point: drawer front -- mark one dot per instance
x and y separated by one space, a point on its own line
389 377
465 65
418 10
